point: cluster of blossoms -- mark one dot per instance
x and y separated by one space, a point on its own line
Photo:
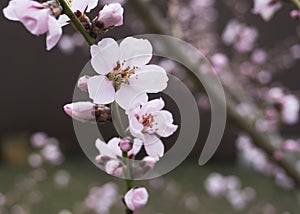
125 77
256 158
46 150
229 187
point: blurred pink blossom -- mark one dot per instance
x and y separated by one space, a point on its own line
101 199
290 109
266 8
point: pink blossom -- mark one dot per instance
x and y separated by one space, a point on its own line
148 121
291 145
136 198
101 199
110 16
266 8
37 18
124 75
78 5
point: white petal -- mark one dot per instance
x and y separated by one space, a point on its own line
113 145
152 106
154 146
9 11
81 5
105 56
63 20
136 127
163 121
151 79
127 95
103 149
100 89
54 32
137 52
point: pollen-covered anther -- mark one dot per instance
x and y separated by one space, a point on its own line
120 74
147 120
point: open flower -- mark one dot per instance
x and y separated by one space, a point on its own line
124 75
266 8
136 198
78 5
148 122
36 17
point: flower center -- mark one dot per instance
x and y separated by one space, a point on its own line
147 121
120 74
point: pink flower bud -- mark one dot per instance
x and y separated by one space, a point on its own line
113 167
149 161
110 16
82 111
82 82
295 14
136 198
125 145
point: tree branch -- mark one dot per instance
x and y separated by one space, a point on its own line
155 23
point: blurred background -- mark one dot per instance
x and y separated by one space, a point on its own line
36 84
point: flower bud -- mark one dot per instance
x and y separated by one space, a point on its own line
136 198
82 111
125 145
88 112
113 167
110 16
82 82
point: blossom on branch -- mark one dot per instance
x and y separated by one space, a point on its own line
37 18
123 72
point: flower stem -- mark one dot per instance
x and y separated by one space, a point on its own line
128 180
297 3
68 11
117 119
